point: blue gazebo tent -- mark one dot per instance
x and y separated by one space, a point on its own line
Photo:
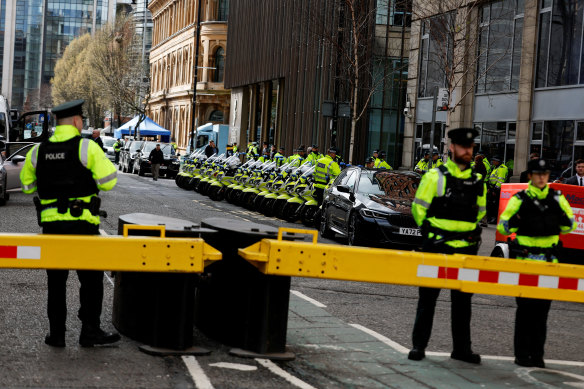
147 128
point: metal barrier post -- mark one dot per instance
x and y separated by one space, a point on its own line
238 305
157 308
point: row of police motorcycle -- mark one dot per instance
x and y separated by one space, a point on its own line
284 191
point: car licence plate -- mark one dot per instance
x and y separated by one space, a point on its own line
162 167
410 231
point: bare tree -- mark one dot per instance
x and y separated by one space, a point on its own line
39 99
349 35
119 68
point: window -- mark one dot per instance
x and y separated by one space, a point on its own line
560 58
499 53
216 116
497 139
219 65
436 52
222 10
394 12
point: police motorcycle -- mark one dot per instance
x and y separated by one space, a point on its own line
258 184
241 173
209 174
287 190
247 179
264 201
225 177
300 194
188 166
206 169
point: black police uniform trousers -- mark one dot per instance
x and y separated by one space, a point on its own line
90 292
530 328
460 313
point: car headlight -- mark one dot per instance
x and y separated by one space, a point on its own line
374 214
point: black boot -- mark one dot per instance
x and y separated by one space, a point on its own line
467 356
55 339
417 354
91 336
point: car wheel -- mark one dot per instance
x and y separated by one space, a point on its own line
352 235
324 229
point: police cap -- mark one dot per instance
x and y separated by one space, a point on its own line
333 149
315 146
300 148
68 109
497 158
538 166
375 151
382 154
282 148
369 160
463 136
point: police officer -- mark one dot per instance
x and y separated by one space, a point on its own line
313 156
422 165
297 159
537 215
436 161
496 178
369 163
326 170
252 150
380 162
117 148
279 157
68 172
448 205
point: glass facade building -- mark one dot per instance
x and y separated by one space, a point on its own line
36 33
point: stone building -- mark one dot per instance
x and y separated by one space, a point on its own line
522 88
172 69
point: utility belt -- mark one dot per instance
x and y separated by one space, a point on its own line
518 250
75 207
472 237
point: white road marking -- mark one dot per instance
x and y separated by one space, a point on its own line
271 366
399 348
234 366
394 345
310 300
109 279
198 375
525 374
323 346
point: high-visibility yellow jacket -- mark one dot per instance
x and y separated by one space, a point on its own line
280 159
422 165
91 156
326 169
508 224
380 163
296 160
312 158
433 186
498 176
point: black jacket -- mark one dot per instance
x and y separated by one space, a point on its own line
574 180
99 142
156 156
210 150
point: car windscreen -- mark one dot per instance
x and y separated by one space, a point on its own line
136 145
148 147
167 149
108 142
368 184
398 186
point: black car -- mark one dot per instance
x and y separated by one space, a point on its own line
169 167
372 207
